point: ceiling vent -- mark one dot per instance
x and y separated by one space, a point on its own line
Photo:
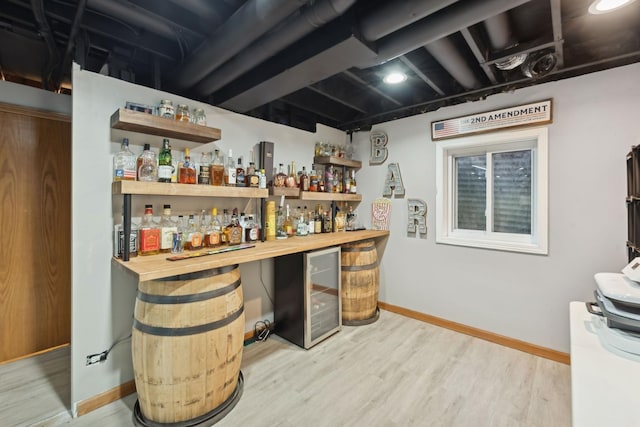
539 64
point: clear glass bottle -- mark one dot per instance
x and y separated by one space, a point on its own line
281 232
311 221
280 177
326 223
187 171
288 223
178 236
166 110
204 173
149 233
167 228
194 235
353 188
165 166
124 163
302 227
182 113
304 180
230 171
199 117
262 179
217 169
147 165
212 238
243 224
119 241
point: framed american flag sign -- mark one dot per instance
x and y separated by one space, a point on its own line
535 113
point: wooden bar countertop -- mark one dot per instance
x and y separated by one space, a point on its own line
157 266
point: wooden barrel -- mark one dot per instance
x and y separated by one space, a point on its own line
187 344
360 283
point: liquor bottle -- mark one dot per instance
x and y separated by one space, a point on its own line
233 230
291 180
353 188
146 165
212 238
149 233
204 173
304 180
313 180
252 230
311 221
302 228
281 233
217 169
165 167
288 223
124 163
262 179
243 225
280 177
224 222
119 241
178 236
230 171
167 228
194 235
328 179
252 179
318 220
239 173
187 171
326 223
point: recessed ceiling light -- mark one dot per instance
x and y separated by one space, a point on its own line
605 6
394 78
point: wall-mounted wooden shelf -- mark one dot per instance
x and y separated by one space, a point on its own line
288 192
337 161
166 189
135 121
328 197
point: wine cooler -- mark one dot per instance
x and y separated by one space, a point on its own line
307 304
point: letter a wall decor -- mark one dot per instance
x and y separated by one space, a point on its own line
393 182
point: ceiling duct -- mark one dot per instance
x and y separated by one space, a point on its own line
539 64
292 29
247 24
445 52
501 38
283 81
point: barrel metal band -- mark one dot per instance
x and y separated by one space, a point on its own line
184 299
359 267
364 249
189 330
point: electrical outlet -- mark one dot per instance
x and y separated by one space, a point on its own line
92 359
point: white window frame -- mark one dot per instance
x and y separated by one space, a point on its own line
536 139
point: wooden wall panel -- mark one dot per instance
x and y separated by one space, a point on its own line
35 233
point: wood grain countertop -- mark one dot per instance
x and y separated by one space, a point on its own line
157 266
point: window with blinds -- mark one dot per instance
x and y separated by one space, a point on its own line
492 191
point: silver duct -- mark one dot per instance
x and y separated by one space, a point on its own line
292 29
444 51
500 38
398 14
251 21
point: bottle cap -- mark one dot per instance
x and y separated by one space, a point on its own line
147 146
167 206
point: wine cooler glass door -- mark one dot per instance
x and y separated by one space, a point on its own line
323 307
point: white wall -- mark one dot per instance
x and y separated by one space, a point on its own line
526 297
27 96
103 296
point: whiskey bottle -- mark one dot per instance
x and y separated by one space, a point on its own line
146 165
217 169
194 235
233 230
280 177
353 188
239 173
124 163
291 179
187 171
165 167
167 228
252 179
204 172
149 233
288 223
212 238
304 180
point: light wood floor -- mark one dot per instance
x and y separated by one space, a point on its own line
395 372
